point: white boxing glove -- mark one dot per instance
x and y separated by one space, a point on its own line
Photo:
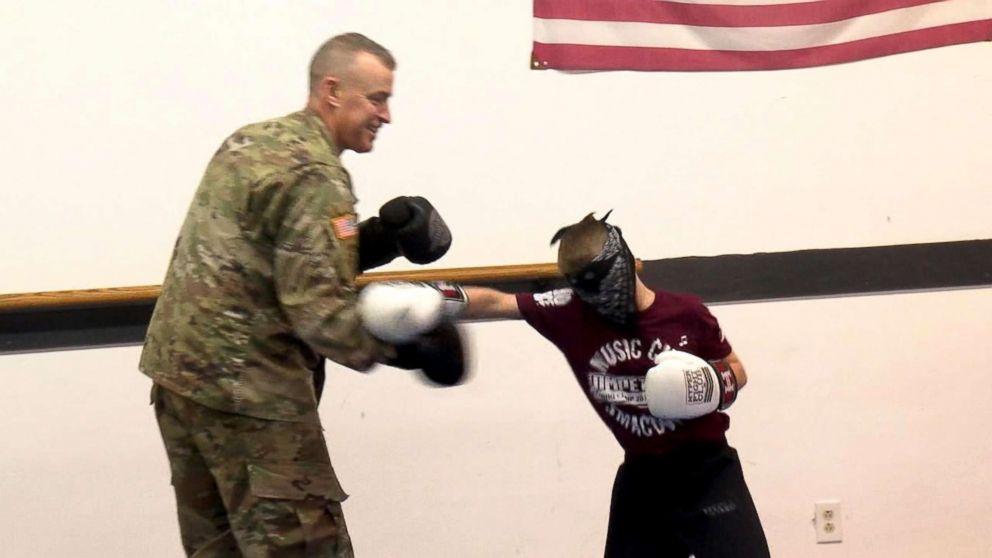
684 386
399 312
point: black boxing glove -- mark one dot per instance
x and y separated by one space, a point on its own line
439 354
376 245
420 233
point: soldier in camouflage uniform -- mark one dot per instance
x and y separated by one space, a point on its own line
260 288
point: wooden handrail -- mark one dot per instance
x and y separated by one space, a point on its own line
129 295
62 299
135 295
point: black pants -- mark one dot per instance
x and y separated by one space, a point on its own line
691 502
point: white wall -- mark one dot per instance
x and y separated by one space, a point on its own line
112 110
878 401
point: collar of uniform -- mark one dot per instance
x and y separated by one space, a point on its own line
314 120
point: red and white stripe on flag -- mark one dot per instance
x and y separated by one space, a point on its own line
745 34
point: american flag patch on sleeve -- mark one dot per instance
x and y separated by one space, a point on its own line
344 226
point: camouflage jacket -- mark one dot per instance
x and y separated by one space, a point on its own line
262 278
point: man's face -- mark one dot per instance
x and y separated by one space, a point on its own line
363 96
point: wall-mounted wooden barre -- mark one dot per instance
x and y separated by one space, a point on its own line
130 295
63 299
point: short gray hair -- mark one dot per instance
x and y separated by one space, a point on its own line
337 53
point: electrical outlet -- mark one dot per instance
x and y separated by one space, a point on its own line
827 521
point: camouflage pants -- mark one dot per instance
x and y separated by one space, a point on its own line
250 487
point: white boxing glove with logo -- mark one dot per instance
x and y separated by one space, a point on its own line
683 386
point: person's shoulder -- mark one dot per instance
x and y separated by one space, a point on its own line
554 302
552 312
276 126
269 128
555 298
678 297
287 142
673 303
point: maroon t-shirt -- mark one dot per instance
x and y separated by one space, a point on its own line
610 364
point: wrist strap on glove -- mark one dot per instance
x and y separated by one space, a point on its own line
728 382
453 297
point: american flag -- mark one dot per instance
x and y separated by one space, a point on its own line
745 34
344 226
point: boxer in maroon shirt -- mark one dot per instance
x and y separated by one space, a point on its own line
680 491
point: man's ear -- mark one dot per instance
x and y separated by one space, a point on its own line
330 91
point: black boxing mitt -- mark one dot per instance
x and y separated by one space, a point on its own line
376 244
420 233
440 355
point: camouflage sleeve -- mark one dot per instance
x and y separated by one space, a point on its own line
315 265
